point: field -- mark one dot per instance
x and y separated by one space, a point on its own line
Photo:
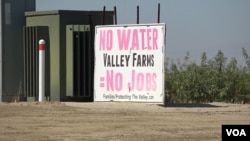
56 121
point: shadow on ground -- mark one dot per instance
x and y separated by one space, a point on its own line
189 105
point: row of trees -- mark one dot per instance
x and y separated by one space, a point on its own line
211 80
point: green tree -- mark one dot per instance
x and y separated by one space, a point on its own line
220 63
171 82
244 94
206 79
211 80
232 81
247 58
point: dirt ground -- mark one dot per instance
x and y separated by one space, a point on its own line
70 121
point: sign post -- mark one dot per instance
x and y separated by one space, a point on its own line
129 63
41 70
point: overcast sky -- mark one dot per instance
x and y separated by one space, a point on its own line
192 25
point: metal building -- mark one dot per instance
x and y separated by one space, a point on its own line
69 37
12 20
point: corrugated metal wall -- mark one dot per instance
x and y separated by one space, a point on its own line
80 59
11 63
32 35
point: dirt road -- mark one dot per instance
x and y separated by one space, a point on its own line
55 121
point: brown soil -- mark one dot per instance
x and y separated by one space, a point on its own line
71 121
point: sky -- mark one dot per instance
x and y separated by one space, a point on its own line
193 26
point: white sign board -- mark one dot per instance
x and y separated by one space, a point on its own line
129 63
